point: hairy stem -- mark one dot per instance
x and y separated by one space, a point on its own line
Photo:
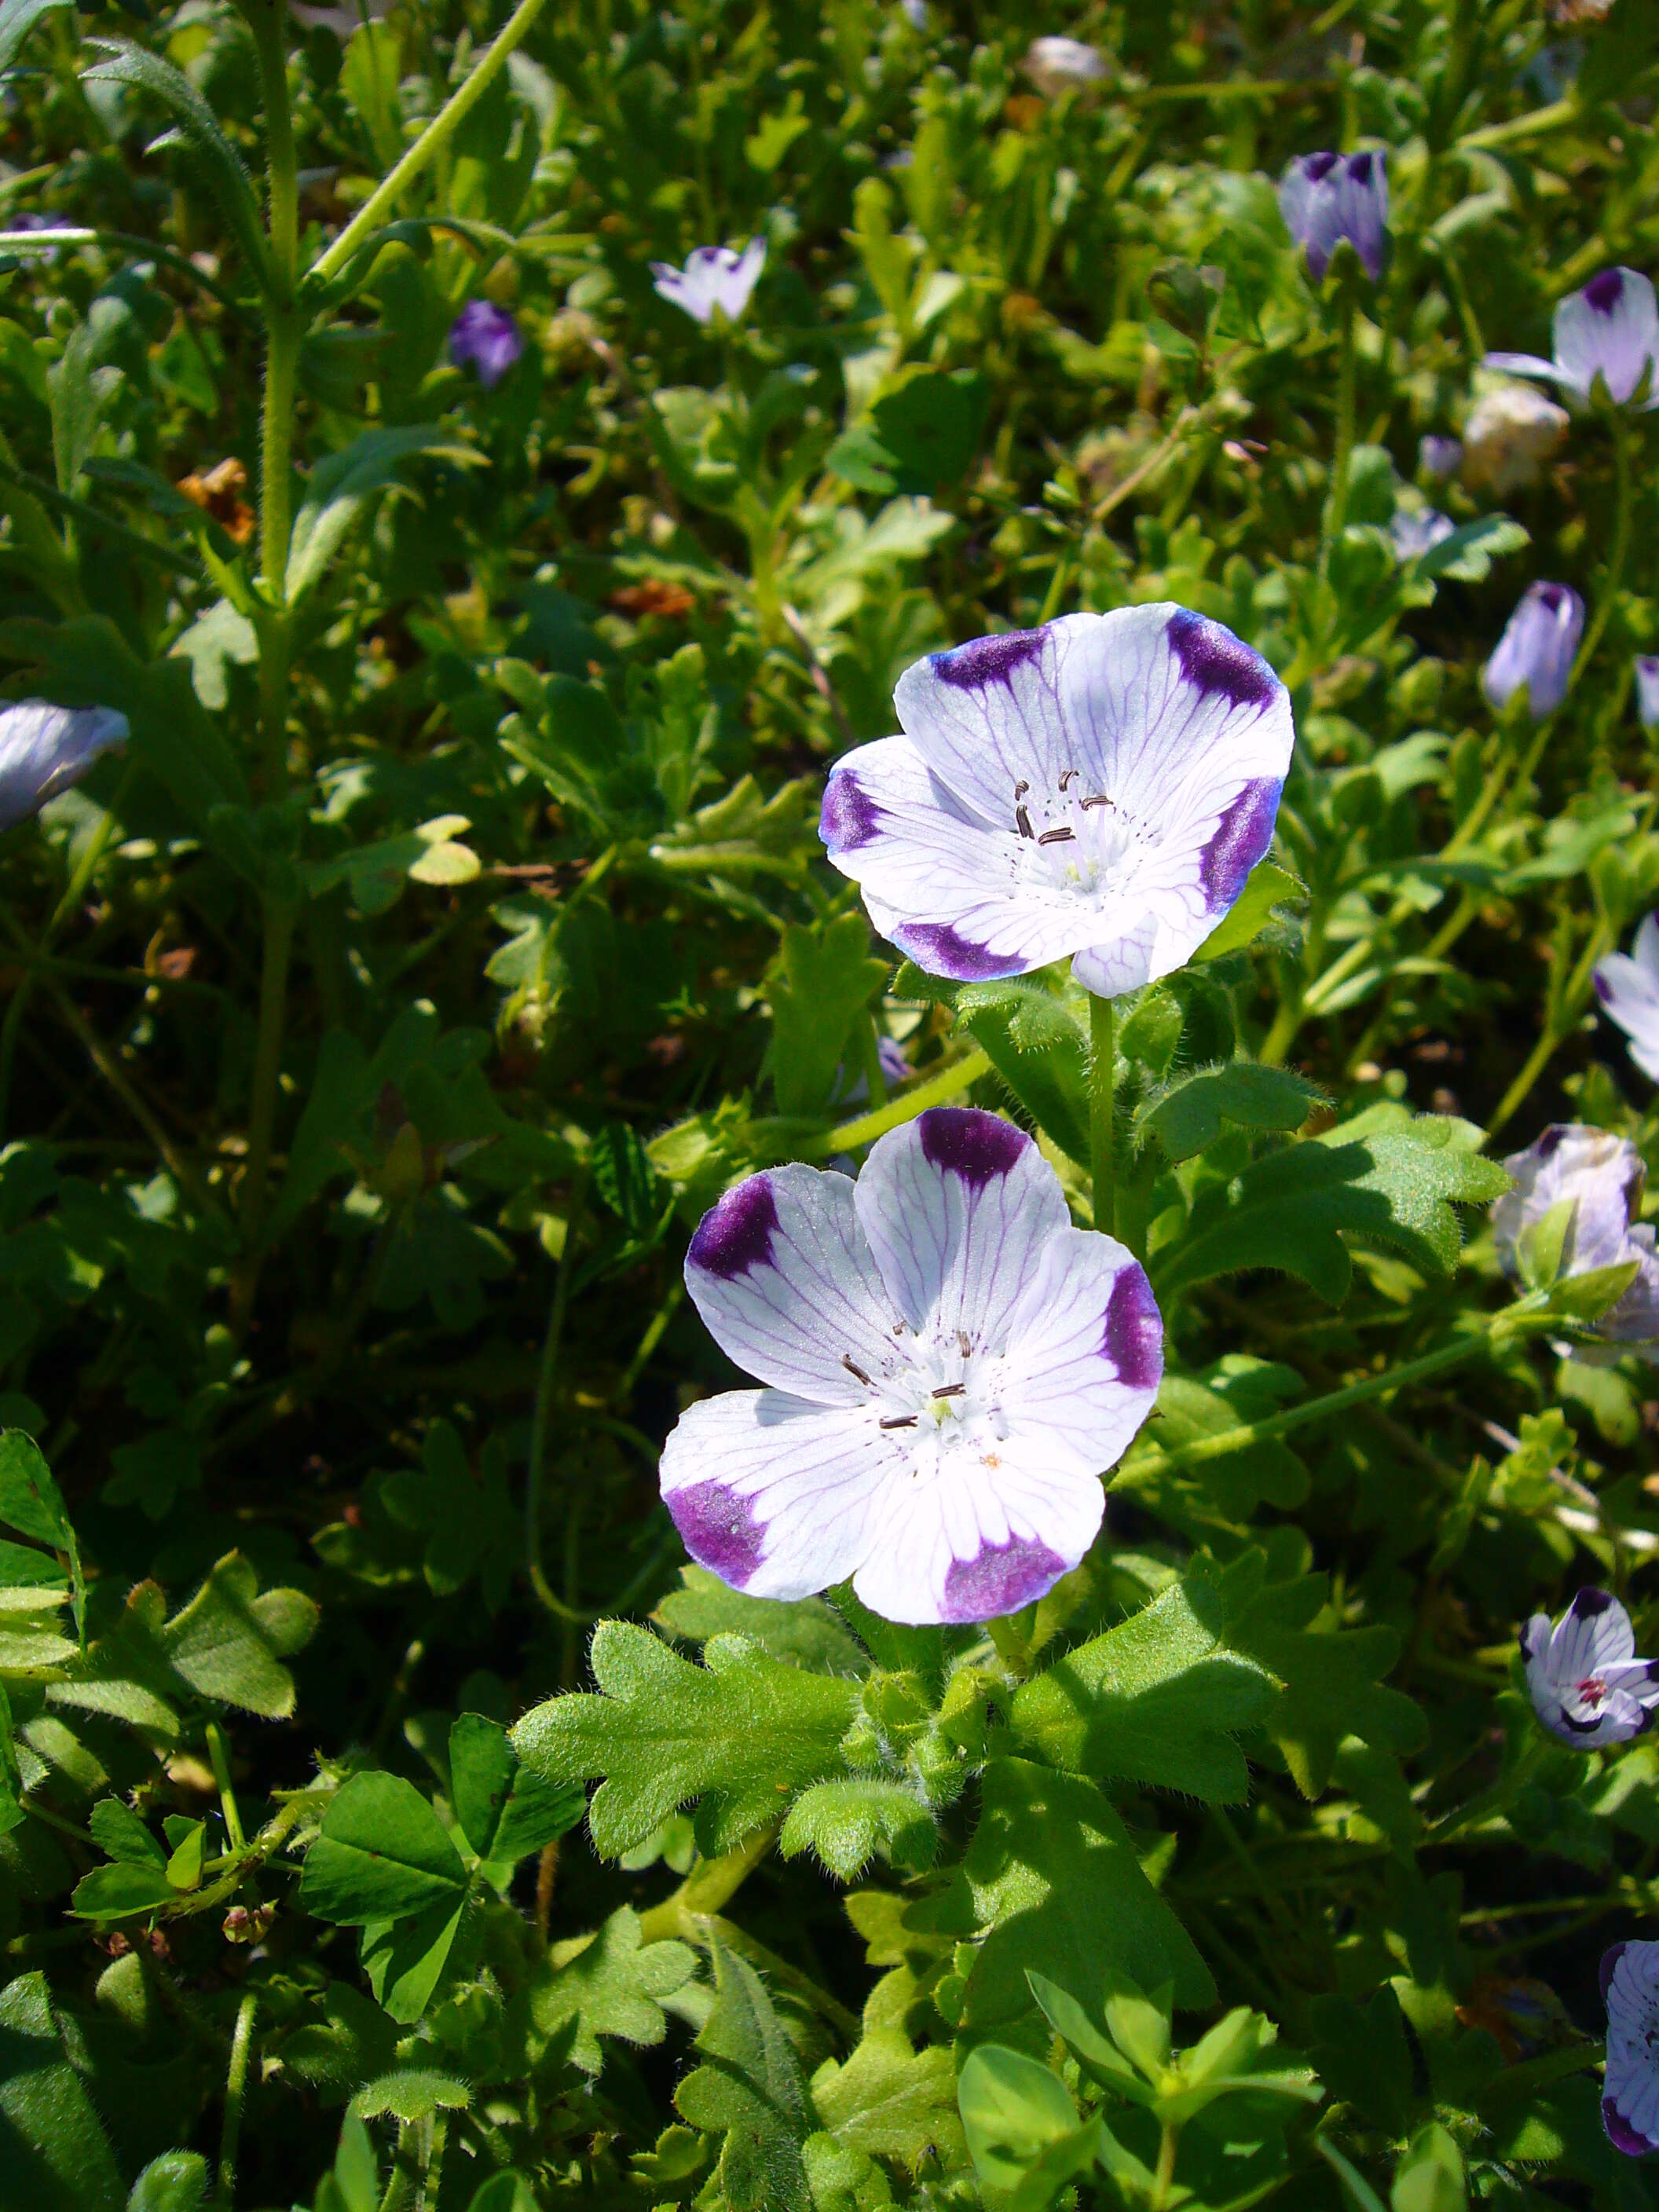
542 1418
230 2135
949 1083
1103 1069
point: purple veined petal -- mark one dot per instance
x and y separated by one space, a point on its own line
781 1271
957 1207
1627 985
715 278
1647 690
1416 531
488 337
1326 198
1537 650
1610 330
775 1496
1601 1175
1083 1360
1630 2102
1587 1685
975 1541
45 748
1525 364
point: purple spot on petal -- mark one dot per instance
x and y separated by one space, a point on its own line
1245 831
737 1234
1318 166
987 659
1553 596
1590 1604
1610 1959
1214 659
1603 989
1604 292
963 1141
850 817
1552 1139
1359 168
719 1529
943 950
1135 1332
1000 1579
1621 2135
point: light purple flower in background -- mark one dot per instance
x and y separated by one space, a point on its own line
949 1367
45 748
1627 984
488 337
1052 64
1601 1177
1609 330
1326 197
1439 457
715 279
1647 690
1418 529
1099 788
853 1084
1588 1685
1510 434
1630 2094
1537 649
915 14
31 219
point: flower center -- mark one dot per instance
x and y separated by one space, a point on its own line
939 1392
1592 1690
1073 840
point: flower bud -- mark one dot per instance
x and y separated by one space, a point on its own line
45 748
1326 198
1537 649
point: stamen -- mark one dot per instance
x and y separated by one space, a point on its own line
852 1368
952 1390
1102 801
1021 788
1022 823
965 1341
1062 836
1067 777
897 1421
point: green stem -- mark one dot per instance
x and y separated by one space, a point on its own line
1336 506
218 1752
540 1421
267 1064
710 1884
275 472
241 2047
1163 2179
916 1098
431 142
1557 1029
1623 516
1103 1069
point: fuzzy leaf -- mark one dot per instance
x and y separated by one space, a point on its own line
807 1633
611 1983
57 2156
1268 886
506 1811
846 1823
1186 1118
1039 1047
749 2088
890 2100
820 983
342 485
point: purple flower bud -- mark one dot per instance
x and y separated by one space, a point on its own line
487 336
1537 649
45 748
1439 457
1647 690
714 279
1609 331
1326 197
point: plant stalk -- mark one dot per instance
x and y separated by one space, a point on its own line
230 2136
1103 1071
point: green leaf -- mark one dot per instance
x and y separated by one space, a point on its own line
31 1502
175 2182
1154 1700
1268 886
821 981
403 1959
890 2100
611 1983
749 2088
920 436
1023 2130
1330 1673
408 2094
382 1854
806 1633
1384 1176
369 77
1055 1881
56 2158
1187 1117
116 1829
740 1733
17 19
1467 556
119 1890
846 1823
229 1641
1429 2175
1040 1048
506 1811
470 1523
341 486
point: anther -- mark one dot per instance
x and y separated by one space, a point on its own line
897 1421
1021 788
1067 777
1102 801
1022 823
852 1368
952 1390
965 1342
1060 836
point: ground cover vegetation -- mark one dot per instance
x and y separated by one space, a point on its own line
777 1450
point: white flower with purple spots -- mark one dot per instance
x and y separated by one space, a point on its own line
949 1366
1099 789
1647 690
1609 331
1537 650
1326 197
1630 2094
1588 1685
45 748
1601 1176
1627 984
715 280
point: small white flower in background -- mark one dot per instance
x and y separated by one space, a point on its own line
1510 434
1647 690
1052 64
1627 984
915 14
1630 2094
715 279
950 1366
1601 1177
1611 330
1416 531
1099 788
1439 457
45 748
1326 197
1588 1685
1537 649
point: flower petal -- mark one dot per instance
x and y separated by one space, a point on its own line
974 1541
1594 1632
1629 992
958 1206
787 1287
1611 328
1084 1359
776 1496
1527 364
